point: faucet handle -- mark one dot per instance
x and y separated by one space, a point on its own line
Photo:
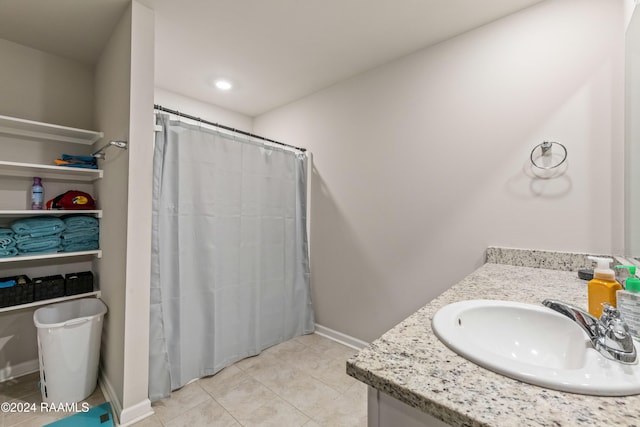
619 329
614 333
609 313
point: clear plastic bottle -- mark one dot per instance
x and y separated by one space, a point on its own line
37 194
629 302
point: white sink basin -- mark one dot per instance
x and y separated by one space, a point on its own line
533 344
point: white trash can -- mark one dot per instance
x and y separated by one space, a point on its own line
69 335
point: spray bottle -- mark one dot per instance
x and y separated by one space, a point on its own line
603 286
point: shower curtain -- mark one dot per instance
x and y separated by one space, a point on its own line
230 268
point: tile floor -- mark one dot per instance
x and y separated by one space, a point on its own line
301 382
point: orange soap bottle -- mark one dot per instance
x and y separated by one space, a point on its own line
603 286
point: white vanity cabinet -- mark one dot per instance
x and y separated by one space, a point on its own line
59 179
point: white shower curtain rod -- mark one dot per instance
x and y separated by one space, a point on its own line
241 132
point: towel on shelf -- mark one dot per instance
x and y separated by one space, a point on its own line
90 245
6 238
68 160
8 252
6 232
79 241
80 223
37 226
82 233
7 242
78 237
33 245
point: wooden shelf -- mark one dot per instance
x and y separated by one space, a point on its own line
60 173
50 301
47 132
97 253
53 212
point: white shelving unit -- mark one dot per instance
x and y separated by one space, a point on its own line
61 173
49 301
56 212
38 131
18 258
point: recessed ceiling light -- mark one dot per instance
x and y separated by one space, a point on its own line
223 84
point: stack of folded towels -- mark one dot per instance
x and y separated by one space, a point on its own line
41 235
38 235
7 243
81 233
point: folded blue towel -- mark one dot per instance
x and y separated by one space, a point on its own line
6 238
80 236
78 247
38 226
80 165
41 251
80 223
87 232
22 238
6 232
39 244
7 242
89 162
8 252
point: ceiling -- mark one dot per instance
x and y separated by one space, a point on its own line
273 51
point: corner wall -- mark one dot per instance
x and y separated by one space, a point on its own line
113 75
124 94
136 402
421 164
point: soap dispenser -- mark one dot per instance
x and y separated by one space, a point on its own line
629 302
603 286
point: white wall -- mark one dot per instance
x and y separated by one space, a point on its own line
124 94
112 115
423 163
39 86
138 269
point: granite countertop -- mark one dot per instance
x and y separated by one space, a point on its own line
410 364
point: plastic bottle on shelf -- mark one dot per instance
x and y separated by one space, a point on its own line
37 194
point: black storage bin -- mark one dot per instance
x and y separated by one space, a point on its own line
78 283
48 287
21 293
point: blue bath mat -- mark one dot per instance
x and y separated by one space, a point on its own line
98 416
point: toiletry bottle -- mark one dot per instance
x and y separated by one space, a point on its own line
37 194
622 275
603 286
629 302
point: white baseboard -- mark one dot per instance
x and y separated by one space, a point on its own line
135 413
343 339
110 395
15 371
127 416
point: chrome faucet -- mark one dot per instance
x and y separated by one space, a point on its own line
609 334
